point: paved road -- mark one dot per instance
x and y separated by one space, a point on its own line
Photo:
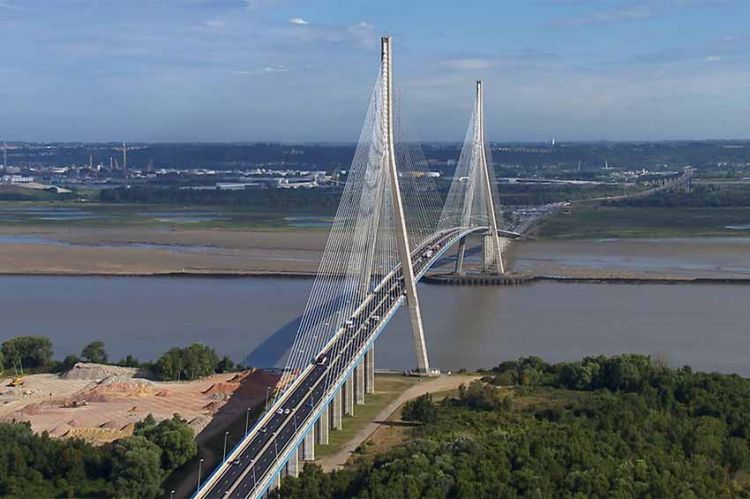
293 411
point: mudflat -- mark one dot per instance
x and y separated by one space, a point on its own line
137 250
146 250
694 257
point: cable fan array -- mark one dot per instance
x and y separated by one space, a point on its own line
466 204
361 248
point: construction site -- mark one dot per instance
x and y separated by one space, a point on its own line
101 403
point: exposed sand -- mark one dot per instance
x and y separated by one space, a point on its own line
103 410
146 251
635 258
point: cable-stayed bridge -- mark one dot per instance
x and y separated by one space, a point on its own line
390 228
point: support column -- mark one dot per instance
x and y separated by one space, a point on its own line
370 370
460 256
275 483
308 446
402 238
292 466
336 411
348 389
359 383
487 183
488 253
321 428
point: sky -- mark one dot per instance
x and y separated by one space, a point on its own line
303 70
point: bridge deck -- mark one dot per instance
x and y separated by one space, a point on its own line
251 466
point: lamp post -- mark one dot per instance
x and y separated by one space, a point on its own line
171 494
200 468
226 434
268 389
247 420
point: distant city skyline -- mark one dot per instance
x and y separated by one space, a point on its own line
294 71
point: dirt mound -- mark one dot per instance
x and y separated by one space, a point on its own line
222 387
85 370
115 385
198 423
98 435
212 406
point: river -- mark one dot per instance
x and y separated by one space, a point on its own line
704 326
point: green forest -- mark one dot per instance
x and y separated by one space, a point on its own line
34 465
624 426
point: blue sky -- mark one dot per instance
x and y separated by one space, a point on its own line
286 70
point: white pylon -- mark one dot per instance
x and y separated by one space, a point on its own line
488 185
402 238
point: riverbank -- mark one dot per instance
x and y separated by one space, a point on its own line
520 280
296 253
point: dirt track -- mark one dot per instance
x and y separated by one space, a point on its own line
440 384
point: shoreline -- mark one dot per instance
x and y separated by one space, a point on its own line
439 279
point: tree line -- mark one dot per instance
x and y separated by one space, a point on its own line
623 426
35 465
33 354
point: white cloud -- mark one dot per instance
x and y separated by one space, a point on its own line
469 64
298 21
363 34
214 24
624 14
279 68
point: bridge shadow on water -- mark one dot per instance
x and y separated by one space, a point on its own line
272 352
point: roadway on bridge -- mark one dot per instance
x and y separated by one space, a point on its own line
293 411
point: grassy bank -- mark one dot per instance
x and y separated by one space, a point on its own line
43 214
388 389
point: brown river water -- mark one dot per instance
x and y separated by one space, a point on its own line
705 326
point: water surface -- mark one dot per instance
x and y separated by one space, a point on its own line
705 326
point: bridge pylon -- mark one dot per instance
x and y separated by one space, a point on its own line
402 236
473 199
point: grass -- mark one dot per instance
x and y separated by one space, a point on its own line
33 213
626 222
387 389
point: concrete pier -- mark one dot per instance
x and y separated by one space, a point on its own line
348 392
370 370
292 466
460 256
322 427
336 410
308 446
359 383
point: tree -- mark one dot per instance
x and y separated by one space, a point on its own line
200 360
225 365
95 352
174 437
421 409
32 352
169 365
136 468
68 362
129 361
479 395
192 362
